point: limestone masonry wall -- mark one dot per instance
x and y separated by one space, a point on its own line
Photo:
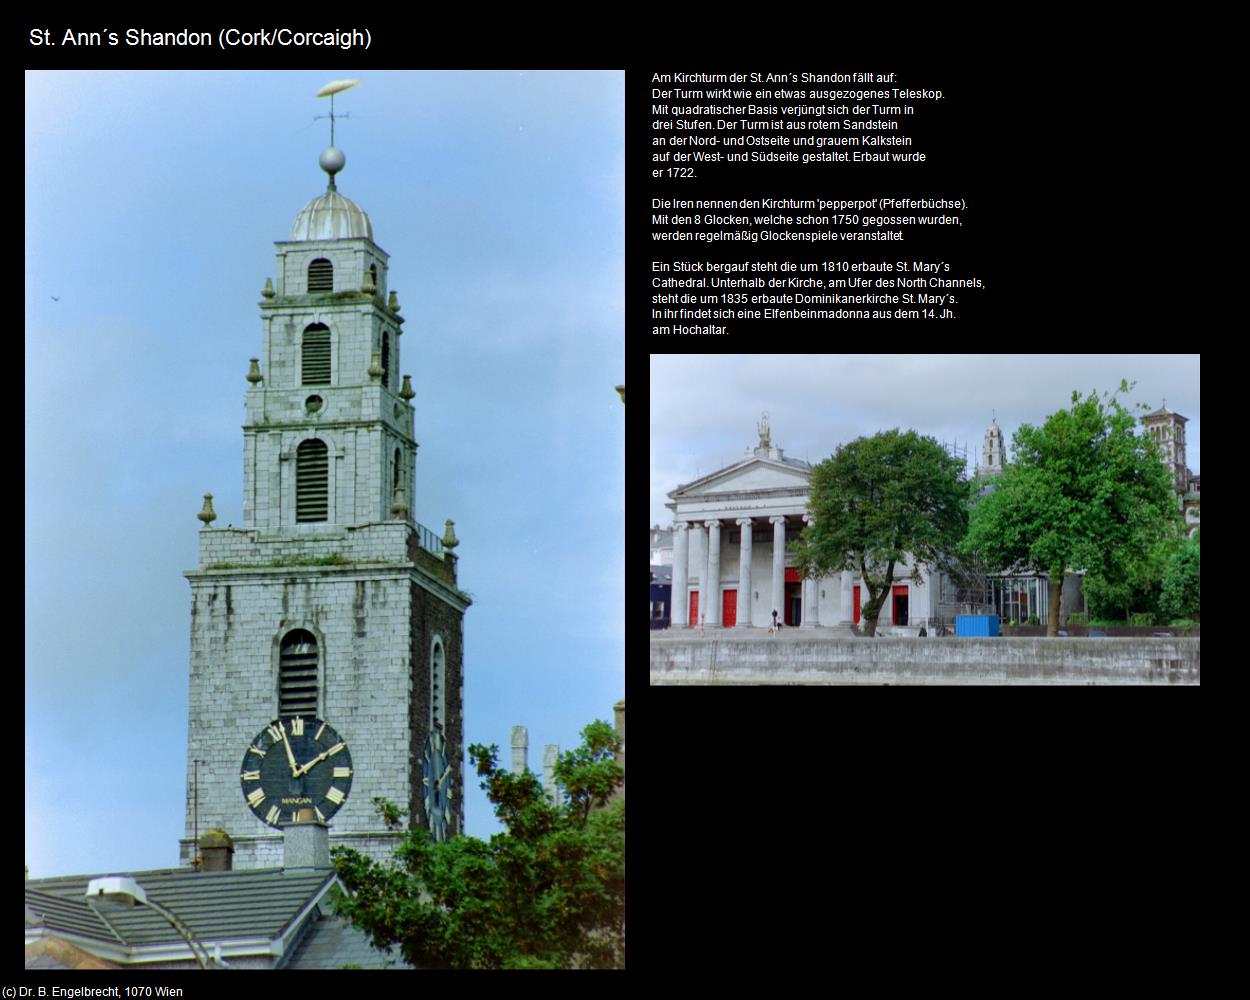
925 661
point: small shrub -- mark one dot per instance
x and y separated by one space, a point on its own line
1078 618
1141 618
1033 620
1183 623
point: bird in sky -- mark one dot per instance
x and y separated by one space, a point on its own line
55 299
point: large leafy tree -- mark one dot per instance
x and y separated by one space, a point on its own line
1084 491
548 893
1182 582
877 501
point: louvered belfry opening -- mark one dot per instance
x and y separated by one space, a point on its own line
316 355
297 674
436 685
321 276
312 481
386 359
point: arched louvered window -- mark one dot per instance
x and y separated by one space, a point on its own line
297 674
373 269
321 276
386 359
395 473
316 355
436 684
312 481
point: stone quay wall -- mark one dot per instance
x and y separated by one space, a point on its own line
845 660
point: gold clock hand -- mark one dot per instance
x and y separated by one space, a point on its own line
320 757
289 755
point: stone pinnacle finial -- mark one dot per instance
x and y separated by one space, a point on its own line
253 373
268 291
765 433
207 515
375 369
407 391
450 541
392 302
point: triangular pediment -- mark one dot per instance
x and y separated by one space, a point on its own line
751 475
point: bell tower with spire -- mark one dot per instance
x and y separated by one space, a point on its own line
993 451
331 601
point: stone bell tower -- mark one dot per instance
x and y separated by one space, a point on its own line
330 601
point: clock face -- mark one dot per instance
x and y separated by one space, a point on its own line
436 776
296 763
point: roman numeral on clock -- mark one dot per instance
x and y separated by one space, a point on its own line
335 795
256 797
250 776
273 814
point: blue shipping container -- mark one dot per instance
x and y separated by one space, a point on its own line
976 625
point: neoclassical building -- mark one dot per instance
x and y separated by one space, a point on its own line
731 567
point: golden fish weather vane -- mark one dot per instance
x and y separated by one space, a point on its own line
329 90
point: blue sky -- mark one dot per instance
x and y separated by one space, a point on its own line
152 204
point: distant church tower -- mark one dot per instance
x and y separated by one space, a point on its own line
993 452
1167 430
330 602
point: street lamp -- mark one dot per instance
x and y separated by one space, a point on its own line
119 892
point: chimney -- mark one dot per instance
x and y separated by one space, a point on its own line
305 842
520 749
216 847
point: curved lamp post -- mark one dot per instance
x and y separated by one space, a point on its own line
121 892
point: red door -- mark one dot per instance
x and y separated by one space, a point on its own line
856 605
729 608
900 605
694 608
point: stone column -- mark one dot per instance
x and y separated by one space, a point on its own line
710 590
744 574
810 616
701 566
681 567
779 568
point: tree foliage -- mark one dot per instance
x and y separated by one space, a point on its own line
548 893
876 501
1085 491
1182 582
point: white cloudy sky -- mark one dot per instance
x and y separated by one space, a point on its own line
153 201
704 408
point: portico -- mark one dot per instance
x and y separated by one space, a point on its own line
730 535
731 564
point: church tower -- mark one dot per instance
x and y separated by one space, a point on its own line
1167 430
993 452
330 602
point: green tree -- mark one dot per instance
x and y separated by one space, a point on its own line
1182 584
1136 583
548 893
1085 491
876 501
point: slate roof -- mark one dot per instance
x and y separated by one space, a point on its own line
332 943
216 906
